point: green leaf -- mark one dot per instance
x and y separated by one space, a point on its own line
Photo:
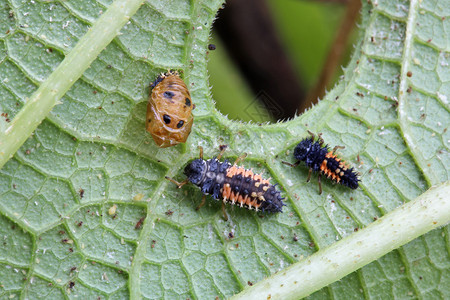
85 211
409 221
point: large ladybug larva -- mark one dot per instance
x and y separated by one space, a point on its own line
169 110
318 157
232 184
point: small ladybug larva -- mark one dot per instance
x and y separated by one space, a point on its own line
232 184
318 157
169 110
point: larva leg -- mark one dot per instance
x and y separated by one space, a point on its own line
320 139
201 152
309 175
291 165
337 147
222 151
320 185
240 158
225 216
202 203
179 184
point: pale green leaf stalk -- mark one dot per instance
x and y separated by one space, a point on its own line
65 75
402 109
409 221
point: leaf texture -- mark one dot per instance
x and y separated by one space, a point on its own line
84 208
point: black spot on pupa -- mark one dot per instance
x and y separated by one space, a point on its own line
167 119
168 94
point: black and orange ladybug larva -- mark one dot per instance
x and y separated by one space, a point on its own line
232 184
169 110
319 158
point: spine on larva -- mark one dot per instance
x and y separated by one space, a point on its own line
337 170
318 157
234 185
239 186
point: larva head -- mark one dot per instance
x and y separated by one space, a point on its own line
196 171
303 148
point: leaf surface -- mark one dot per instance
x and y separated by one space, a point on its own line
84 207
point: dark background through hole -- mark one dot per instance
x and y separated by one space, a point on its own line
249 31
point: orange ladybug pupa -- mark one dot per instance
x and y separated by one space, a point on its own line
169 110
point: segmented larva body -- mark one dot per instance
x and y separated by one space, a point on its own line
320 159
234 185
